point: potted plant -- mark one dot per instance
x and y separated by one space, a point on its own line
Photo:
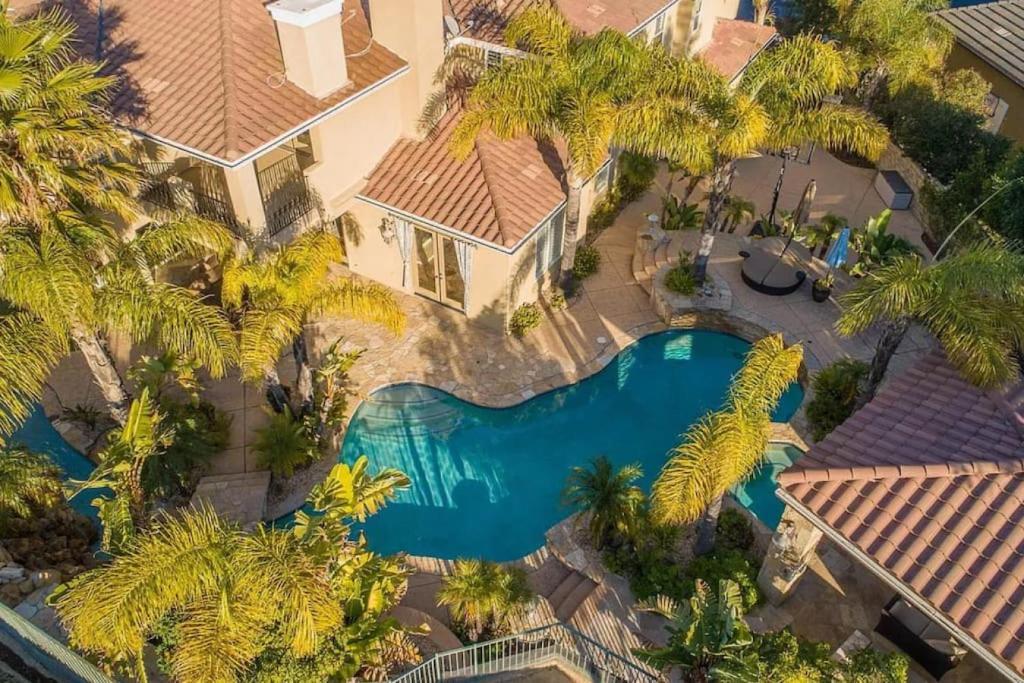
821 289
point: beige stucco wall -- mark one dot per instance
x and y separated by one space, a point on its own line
1002 87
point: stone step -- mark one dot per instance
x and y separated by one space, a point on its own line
573 601
565 588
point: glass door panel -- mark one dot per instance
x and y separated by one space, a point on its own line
426 263
454 286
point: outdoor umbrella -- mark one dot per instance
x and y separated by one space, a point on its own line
837 252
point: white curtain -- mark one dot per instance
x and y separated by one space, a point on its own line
464 253
403 231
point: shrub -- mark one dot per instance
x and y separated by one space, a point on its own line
725 564
604 212
783 656
200 432
284 445
679 215
681 281
734 531
525 318
588 260
1006 211
556 299
835 393
635 175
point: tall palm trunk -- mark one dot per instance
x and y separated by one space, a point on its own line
870 86
572 221
303 376
707 528
892 335
276 395
104 372
721 182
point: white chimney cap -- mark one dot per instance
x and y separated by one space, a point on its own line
303 13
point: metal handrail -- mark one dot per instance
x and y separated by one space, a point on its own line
44 653
530 648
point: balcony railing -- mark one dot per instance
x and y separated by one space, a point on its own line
552 644
287 197
175 194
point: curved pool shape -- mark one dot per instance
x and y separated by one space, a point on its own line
757 494
486 482
39 435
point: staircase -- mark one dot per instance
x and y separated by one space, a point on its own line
564 588
647 261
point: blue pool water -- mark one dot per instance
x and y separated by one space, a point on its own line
486 482
39 435
757 494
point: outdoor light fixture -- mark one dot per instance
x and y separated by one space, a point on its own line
387 229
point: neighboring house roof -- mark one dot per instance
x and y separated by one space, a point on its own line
993 31
734 43
927 482
498 194
208 75
485 20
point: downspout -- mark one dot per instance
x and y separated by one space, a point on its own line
905 591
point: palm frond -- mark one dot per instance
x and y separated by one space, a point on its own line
29 351
27 480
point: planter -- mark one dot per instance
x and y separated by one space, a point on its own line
820 292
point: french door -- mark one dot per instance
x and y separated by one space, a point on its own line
437 268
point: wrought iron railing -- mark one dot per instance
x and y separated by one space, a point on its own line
287 197
173 196
42 652
552 644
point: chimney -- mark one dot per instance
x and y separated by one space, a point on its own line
311 44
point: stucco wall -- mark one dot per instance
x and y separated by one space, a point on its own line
1002 87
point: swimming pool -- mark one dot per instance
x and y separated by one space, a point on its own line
486 482
757 494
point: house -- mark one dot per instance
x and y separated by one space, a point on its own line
990 40
276 116
923 487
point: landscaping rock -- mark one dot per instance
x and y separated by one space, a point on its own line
10 594
12 573
26 610
26 586
5 557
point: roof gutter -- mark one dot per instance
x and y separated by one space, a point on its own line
768 43
643 24
266 147
906 591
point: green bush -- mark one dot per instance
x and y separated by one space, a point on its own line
835 393
679 215
556 299
783 656
635 175
284 445
734 531
647 560
200 432
525 318
588 260
604 212
681 281
725 564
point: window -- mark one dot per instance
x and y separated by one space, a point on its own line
602 178
549 243
659 29
493 59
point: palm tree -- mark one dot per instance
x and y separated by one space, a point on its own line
725 447
972 302
894 43
120 469
28 353
781 100
608 495
59 148
592 92
73 278
483 596
280 291
28 481
241 604
707 631
736 211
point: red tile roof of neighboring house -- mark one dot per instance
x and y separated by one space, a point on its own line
486 20
499 194
734 43
208 74
927 480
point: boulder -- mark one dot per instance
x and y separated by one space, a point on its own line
26 586
12 573
10 594
5 557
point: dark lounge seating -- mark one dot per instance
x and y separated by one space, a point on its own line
771 268
921 639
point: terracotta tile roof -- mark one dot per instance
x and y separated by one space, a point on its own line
486 19
499 194
928 481
734 43
208 74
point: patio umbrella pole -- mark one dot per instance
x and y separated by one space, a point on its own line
778 190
